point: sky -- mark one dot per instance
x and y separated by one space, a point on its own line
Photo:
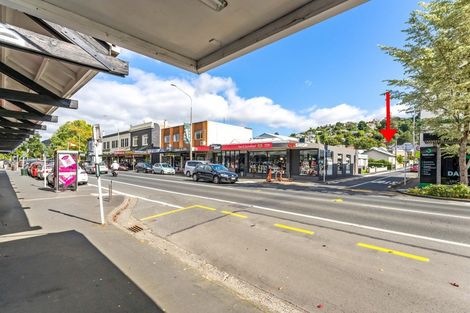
333 71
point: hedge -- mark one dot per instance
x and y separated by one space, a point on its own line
444 191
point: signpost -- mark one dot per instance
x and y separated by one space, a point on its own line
98 147
428 166
44 171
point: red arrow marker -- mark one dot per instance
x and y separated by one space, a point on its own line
388 132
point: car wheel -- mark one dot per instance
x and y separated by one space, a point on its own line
216 180
195 177
188 174
232 182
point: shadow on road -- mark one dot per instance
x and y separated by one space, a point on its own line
64 272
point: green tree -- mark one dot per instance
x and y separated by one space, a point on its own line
400 159
33 147
437 70
73 135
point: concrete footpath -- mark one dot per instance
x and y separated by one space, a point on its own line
56 257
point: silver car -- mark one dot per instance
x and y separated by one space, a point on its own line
191 165
163 168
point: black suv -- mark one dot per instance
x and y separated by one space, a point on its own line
215 173
143 167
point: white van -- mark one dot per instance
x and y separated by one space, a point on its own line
191 165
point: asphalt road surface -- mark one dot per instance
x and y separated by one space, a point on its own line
332 250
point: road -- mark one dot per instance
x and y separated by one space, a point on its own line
331 249
374 182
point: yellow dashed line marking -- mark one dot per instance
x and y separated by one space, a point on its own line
164 213
339 200
203 207
235 214
403 254
300 230
197 206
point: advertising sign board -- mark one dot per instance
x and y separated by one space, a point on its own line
428 165
66 169
186 133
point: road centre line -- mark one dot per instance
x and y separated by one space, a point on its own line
395 252
344 202
383 230
300 230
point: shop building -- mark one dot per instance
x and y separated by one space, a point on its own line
175 140
253 157
140 143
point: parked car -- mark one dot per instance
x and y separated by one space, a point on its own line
215 173
82 176
414 168
143 167
31 166
90 168
191 165
163 168
44 171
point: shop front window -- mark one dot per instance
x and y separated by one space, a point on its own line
231 160
309 163
278 161
348 164
258 162
329 163
339 162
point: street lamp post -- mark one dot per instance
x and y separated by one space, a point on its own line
190 122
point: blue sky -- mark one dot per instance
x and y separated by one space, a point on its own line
337 62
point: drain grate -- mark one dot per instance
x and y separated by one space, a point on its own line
135 229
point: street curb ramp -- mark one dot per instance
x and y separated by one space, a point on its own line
122 218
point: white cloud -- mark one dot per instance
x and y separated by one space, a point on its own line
115 105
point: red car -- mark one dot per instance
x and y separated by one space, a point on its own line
414 168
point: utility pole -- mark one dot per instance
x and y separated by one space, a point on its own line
190 121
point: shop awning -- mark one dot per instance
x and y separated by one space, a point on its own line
196 35
41 66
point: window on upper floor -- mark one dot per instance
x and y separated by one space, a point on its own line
176 137
166 139
145 140
135 141
198 135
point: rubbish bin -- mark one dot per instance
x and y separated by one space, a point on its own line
24 172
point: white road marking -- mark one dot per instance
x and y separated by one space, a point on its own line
141 198
344 203
377 181
383 230
54 198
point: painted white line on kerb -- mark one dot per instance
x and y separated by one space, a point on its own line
329 201
383 230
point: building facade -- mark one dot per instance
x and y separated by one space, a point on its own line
140 143
175 140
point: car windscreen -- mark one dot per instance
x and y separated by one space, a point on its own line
165 165
219 167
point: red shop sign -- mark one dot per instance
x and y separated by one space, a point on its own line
248 146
